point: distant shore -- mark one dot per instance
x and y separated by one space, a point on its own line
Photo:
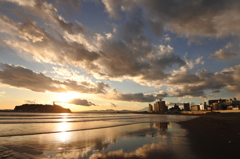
215 135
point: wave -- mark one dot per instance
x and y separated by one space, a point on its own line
64 117
83 129
60 120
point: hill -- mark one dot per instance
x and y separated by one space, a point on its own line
40 108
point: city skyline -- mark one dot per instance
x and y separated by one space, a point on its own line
100 54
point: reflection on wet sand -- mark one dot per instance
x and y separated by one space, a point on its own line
63 136
132 141
162 126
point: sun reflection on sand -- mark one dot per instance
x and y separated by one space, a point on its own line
64 117
63 136
64 120
64 114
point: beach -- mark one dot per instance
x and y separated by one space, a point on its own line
93 136
214 135
121 136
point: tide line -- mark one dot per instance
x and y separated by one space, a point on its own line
40 133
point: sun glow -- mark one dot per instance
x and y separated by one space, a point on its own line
65 97
63 136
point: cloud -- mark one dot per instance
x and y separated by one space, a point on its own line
188 18
216 91
82 102
191 63
231 76
31 39
73 3
33 101
221 54
30 101
161 95
187 91
66 72
127 53
183 76
113 105
21 77
228 52
2 93
164 50
167 38
47 12
111 8
135 97
205 80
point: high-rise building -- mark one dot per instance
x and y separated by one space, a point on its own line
210 102
195 108
150 108
156 107
215 106
160 107
205 105
186 106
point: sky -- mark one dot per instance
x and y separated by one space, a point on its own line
121 55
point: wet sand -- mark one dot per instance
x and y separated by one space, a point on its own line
215 135
149 139
6 153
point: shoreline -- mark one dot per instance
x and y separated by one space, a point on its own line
210 136
214 135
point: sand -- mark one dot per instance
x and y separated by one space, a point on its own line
215 135
6 153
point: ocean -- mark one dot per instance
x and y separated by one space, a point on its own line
93 136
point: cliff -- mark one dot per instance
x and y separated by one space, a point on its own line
41 108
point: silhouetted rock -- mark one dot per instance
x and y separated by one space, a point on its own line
41 108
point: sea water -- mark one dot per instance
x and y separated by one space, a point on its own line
93 135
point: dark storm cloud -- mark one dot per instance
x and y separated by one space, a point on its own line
185 17
21 77
81 102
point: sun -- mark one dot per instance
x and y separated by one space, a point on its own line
65 97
